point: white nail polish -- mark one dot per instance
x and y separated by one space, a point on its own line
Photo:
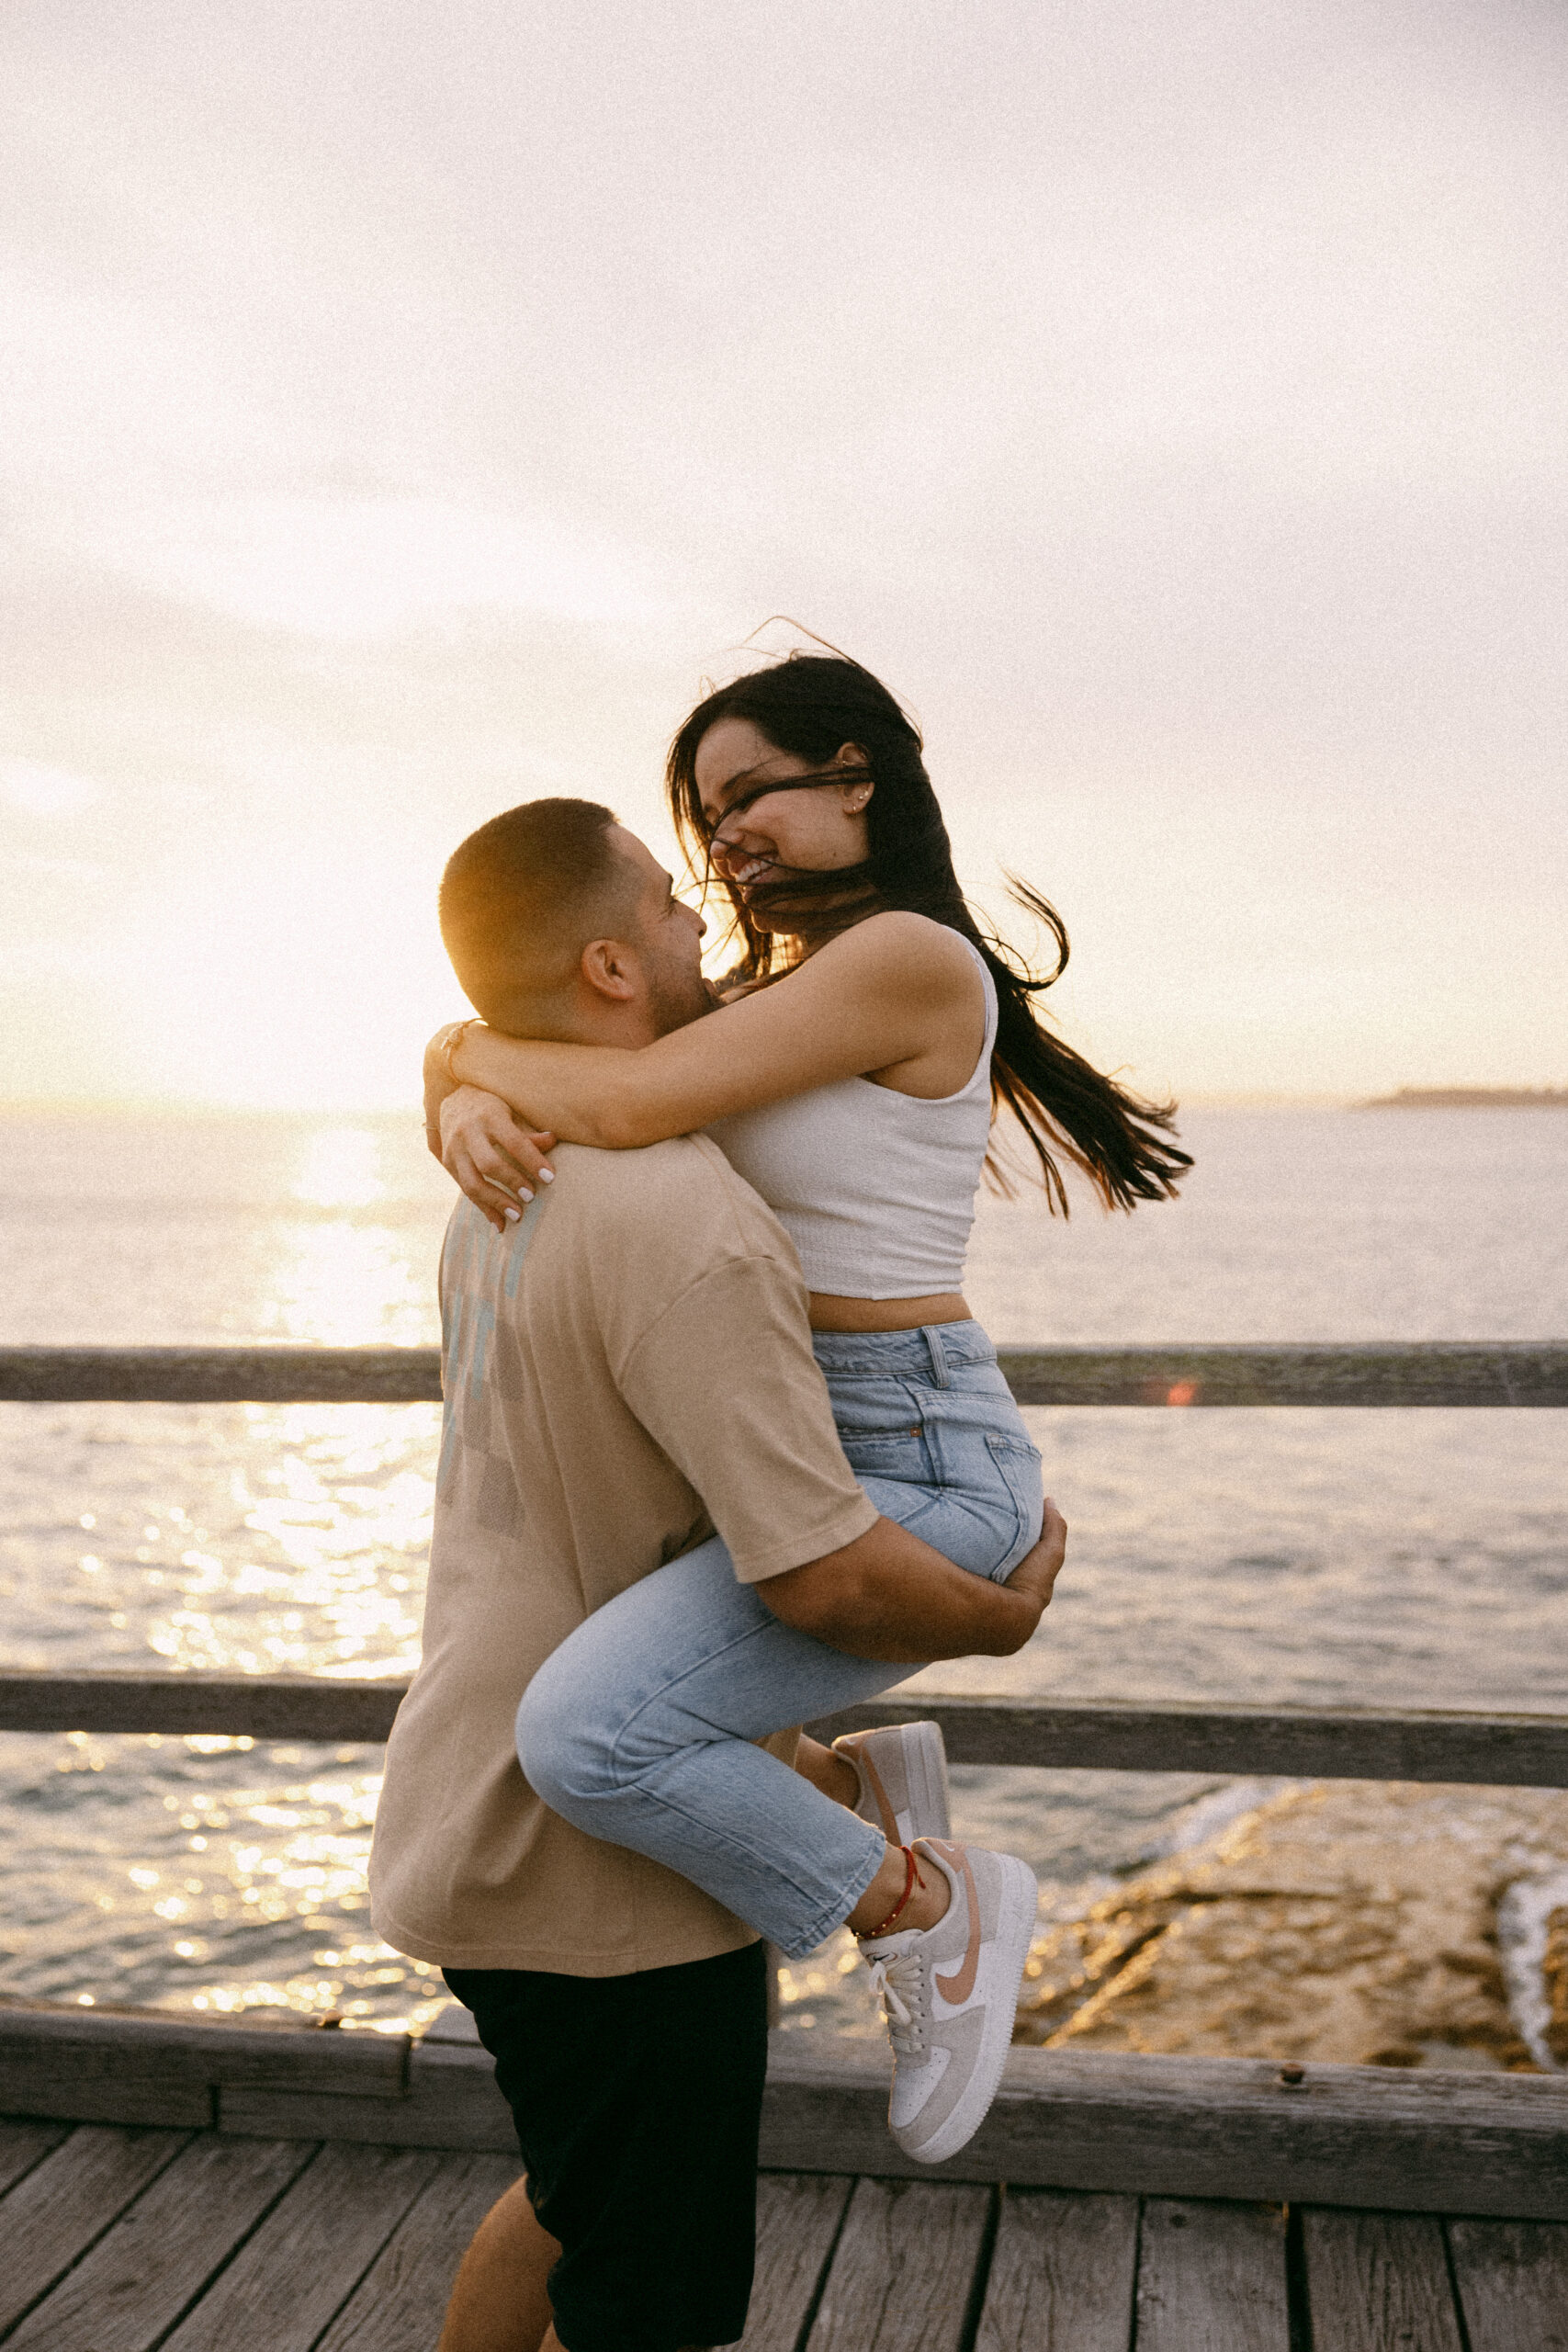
546 1175
512 1216
523 1193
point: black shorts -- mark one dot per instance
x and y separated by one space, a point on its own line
638 2100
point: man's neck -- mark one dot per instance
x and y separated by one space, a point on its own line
627 1026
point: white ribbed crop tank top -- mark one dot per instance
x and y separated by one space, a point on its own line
877 1190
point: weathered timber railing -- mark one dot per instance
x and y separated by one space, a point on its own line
1306 1743
1394 1373
1505 1751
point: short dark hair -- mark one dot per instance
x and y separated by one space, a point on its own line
521 898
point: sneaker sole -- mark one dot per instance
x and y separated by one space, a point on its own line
1015 1933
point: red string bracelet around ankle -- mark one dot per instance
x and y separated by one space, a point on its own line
911 1872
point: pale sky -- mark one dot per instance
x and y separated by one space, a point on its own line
403 407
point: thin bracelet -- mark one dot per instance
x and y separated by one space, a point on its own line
449 1044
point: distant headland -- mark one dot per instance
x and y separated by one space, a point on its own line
1470 1097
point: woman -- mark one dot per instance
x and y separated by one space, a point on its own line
852 1075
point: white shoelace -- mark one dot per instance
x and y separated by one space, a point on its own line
891 1981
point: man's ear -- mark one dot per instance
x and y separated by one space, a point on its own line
611 969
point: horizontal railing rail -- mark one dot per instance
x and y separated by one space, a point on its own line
1307 1743
1393 1373
1409 1745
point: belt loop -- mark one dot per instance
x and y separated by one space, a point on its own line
932 1334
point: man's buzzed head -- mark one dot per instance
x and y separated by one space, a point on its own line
520 900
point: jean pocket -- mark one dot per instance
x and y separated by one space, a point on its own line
898 1454
1022 1473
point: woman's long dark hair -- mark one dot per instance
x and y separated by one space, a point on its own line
811 704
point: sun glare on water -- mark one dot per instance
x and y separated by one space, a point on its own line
340 1277
258 1539
341 1169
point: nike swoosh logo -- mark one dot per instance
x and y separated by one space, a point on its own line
884 1805
959 1987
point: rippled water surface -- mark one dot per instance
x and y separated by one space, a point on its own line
1322 1556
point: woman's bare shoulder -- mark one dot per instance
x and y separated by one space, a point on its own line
913 946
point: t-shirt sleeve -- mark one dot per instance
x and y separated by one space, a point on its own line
726 1382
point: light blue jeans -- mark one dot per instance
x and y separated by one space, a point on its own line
639 1727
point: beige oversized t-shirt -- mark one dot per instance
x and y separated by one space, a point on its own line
626 1370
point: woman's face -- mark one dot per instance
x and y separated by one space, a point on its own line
813 831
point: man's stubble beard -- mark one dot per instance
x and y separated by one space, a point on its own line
676 1003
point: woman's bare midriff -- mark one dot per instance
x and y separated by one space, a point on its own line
830 1314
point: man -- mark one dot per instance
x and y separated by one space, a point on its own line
628 1368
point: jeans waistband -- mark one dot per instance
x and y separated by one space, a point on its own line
932 1352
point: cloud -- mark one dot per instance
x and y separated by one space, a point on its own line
43 791
406 407
347 567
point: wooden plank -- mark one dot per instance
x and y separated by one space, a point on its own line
451 2101
1406 1743
1303 1743
63 2206
1513 2284
1396 2139
1417 1372
798 2219
291 2278
903 2275
1062 2275
1212 2275
399 2304
260 1376
23 2145
152 2264
1378 2282
245 1706
151 2067
103 2091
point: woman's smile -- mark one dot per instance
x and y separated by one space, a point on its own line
745 869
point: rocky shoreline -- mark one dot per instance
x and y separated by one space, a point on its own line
1366 1922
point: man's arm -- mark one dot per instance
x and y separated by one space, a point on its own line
889 1596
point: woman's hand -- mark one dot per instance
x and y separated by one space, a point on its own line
495 1160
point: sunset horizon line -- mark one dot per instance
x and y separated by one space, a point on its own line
1549 1094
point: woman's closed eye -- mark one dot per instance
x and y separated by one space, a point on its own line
744 794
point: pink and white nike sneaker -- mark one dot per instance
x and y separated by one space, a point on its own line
903 1780
950 1996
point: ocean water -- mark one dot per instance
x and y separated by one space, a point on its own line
1316 1556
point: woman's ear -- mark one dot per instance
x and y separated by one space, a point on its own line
857 789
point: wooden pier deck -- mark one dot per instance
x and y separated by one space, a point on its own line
136 2239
